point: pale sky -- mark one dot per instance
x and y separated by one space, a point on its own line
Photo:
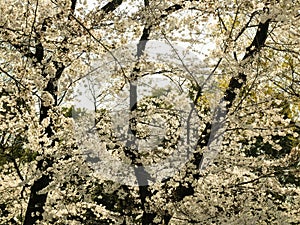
157 51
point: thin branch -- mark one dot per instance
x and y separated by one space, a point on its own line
17 82
16 167
234 22
221 20
34 20
272 174
99 42
246 25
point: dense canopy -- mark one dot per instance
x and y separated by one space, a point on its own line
191 112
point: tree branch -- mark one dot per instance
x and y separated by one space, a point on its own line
111 6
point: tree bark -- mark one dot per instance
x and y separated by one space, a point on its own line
236 83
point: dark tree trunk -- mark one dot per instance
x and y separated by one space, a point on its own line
36 203
236 83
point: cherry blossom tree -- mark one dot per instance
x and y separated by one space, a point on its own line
244 167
